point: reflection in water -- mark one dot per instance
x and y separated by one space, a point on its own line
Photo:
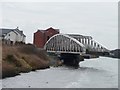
90 69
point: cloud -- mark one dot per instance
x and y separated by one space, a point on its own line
96 19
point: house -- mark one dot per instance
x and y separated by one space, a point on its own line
42 36
11 36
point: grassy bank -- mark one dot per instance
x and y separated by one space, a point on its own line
22 58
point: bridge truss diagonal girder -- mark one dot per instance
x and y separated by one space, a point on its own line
89 43
72 43
64 43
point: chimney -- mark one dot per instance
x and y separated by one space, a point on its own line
21 32
17 28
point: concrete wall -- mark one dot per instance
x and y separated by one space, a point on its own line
20 37
23 38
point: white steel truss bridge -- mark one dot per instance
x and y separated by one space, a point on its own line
73 43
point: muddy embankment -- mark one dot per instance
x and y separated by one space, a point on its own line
22 58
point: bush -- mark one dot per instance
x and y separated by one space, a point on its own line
8 70
12 59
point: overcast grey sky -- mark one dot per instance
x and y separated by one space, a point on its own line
97 19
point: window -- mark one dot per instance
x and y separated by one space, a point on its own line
48 37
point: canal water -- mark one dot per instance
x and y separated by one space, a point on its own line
93 73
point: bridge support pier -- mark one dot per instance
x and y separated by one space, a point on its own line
71 59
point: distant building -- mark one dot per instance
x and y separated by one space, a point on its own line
41 36
12 36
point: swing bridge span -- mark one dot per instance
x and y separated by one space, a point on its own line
73 48
72 43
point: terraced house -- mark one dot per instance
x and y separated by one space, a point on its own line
11 36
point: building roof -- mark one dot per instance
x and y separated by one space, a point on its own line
53 29
43 31
5 31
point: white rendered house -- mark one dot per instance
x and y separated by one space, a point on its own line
12 35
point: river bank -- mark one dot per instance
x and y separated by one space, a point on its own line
93 73
22 58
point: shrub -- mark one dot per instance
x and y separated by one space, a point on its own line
12 59
8 70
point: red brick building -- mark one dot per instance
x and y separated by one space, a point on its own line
41 36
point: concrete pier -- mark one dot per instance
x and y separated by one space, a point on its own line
71 59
